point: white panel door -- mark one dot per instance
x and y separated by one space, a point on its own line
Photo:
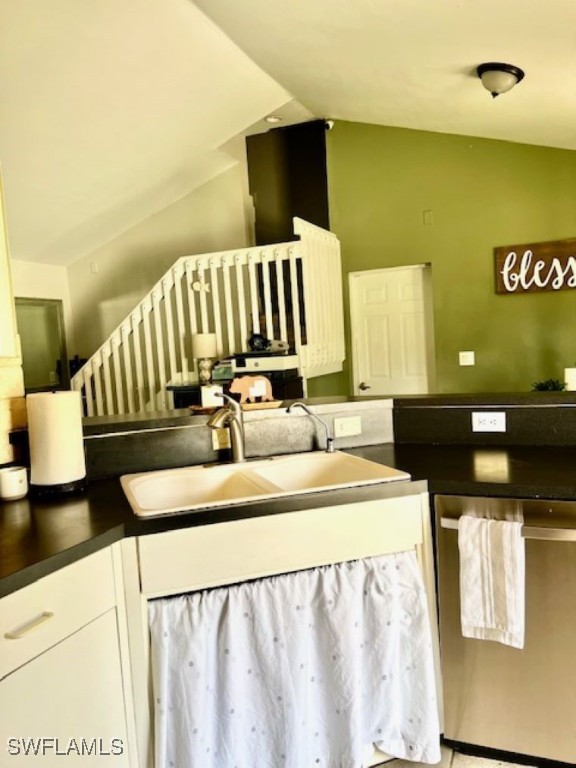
390 337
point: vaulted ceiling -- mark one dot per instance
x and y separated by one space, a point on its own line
412 63
110 111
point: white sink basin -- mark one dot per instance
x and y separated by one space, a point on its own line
319 471
168 491
174 490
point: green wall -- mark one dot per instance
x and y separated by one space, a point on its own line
483 194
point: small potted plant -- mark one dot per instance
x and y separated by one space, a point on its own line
554 385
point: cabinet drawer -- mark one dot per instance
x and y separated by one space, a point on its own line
44 613
210 555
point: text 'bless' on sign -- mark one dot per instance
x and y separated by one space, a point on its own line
536 267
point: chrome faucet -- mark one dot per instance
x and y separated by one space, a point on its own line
230 415
329 438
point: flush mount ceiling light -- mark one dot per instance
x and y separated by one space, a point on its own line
273 119
499 78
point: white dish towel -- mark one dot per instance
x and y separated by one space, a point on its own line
492 580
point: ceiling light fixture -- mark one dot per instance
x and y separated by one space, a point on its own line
499 78
273 119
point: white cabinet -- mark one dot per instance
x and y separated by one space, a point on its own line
8 338
68 701
65 683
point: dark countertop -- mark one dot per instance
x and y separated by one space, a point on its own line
519 471
38 537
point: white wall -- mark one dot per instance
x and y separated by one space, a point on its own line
107 284
32 280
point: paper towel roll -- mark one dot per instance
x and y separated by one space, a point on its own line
55 436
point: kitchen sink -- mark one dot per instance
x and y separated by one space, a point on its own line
319 470
174 490
195 488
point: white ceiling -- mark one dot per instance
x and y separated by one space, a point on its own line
112 110
412 63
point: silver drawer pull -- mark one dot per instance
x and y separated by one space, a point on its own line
528 531
18 634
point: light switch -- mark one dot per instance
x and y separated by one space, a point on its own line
347 426
428 218
467 358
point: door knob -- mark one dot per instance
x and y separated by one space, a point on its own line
363 385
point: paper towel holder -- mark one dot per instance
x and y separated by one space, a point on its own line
57 456
58 489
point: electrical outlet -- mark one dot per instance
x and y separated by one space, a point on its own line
347 426
221 439
488 421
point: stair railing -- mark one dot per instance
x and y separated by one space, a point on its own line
290 291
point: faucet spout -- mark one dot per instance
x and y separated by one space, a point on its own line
230 415
329 437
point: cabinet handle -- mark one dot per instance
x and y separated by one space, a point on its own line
18 634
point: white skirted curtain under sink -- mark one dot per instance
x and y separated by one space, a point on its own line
302 670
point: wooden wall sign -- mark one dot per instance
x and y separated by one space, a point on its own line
536 267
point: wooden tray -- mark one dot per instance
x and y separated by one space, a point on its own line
262 405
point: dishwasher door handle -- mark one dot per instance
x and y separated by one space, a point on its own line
528 531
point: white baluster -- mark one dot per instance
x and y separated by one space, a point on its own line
280 256
129 381
293 258
229 306
311 302
97 370
265 258
214 263
255 313
150 375
192 295
167 284
242 305
191 266
160 357
115 342
135 320
204 288
178 272
87 375
106 352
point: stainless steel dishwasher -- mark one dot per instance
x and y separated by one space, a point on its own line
497 697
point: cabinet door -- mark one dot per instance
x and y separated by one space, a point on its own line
68 701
